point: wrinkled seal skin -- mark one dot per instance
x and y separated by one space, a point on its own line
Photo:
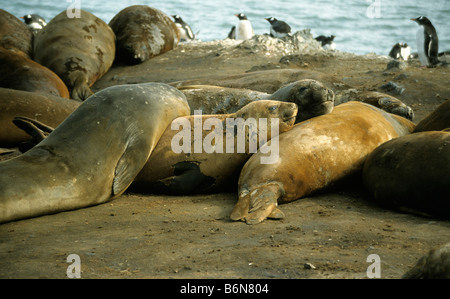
14 34
311 96
314 154
143 32
412 172
79 50
51 110
20 72
93 156
187 173
437 120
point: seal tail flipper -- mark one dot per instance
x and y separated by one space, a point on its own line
258 205
37 130
81 90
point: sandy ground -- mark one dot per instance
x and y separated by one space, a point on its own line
152 236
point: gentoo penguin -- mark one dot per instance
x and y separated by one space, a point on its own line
327 42
400 51
244 29
278 28
427 42
34 21
184 29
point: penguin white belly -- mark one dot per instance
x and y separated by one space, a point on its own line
183 35
420 37
244 30
405 52
277 34
331 46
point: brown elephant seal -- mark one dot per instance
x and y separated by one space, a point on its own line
313 155
437 120
14 34
311 96
143 32
208 164
50 110
94 155
412 173
17 71
79 50
433 265
380 100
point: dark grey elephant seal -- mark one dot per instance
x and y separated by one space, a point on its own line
14 34
411 173
313 155
437 120
311 96
94 155
79 50
143 32
433 265
211 168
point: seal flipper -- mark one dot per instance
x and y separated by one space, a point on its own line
37 130
81 90
130 163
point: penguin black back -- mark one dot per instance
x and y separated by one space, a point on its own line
431 40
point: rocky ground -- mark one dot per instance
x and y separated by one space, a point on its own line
328 235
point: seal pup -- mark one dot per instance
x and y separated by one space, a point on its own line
34 21
244 29
433 265
278 28
427 42
48 109
14 34
79 50
94 155
143 32
311 96
184 29
18 71
212 168
411 173
313 155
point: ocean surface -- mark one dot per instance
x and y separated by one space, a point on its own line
360 26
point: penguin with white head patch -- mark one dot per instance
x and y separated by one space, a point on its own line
185 30
427 42
34 21
278 28
244 29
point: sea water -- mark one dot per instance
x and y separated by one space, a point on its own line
360 26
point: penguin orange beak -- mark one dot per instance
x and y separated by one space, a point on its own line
415 20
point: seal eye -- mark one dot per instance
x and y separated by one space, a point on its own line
273 108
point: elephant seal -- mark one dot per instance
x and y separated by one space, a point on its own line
313 155
50 110
211 168
380 100
14 34
437 120
94 155
433 265
311 96
79 50
411 172
17 71
143 32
